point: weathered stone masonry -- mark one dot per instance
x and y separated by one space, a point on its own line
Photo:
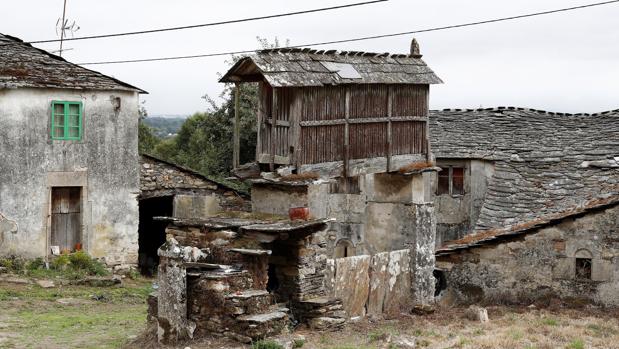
541 265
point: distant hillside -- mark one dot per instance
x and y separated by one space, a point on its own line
165 126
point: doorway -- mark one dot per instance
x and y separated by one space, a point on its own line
66 223
151 233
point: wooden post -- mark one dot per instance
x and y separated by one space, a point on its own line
389 132
428 146
236 142
346 136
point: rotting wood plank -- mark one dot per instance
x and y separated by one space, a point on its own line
372 120
346 133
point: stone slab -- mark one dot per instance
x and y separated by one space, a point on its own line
352 283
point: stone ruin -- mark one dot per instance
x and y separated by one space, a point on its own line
244 279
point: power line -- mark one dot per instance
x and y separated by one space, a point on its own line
211 24
363 37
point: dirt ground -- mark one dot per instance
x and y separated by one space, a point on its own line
115 317
509 327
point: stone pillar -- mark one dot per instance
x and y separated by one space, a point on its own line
423 260
172 322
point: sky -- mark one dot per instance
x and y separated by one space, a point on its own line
566 62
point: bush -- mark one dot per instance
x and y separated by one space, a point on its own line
266 345
78 264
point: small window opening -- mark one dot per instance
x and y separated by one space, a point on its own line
343 249
451 181
583 268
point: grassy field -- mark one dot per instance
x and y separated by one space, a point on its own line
88 317
72 316
508 328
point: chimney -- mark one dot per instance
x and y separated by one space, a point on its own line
415 52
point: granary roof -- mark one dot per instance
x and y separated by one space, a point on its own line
297 67
548 166
22 65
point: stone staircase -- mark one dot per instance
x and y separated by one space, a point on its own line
222 301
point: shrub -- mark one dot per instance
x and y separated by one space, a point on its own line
266 345
35 264
298 343
78 264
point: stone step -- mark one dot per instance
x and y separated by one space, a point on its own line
250 252
258 326
248 302
223 281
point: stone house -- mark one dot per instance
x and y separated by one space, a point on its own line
170 190
69 173
535 217
342 143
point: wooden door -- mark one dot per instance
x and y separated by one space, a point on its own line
66 217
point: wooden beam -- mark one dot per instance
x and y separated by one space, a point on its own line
268 158
274 111
283 123
372 120
236 142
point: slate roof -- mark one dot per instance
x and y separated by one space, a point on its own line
547 165
296 67
22 65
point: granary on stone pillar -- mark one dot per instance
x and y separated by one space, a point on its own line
348 123
344 136
339 113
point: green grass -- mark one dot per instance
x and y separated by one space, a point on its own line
550 322
265 344
78 326
34 319
576 344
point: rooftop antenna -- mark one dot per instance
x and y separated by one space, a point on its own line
62 26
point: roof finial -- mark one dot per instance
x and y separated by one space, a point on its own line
415 51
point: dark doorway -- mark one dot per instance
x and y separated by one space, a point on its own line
152 232
66 225
440 282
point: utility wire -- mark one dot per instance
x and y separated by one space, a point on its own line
212 24
566 9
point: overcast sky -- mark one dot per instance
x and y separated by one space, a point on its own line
561 62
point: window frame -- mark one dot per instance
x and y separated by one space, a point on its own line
66 126
580 264
450 179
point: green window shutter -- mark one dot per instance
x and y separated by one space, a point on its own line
67 120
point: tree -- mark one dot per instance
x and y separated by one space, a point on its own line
146 138
204 142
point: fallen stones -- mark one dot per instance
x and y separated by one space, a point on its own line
15 280
100 281
45 283
475 313
322 313
397 342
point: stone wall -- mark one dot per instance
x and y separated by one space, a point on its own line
540 266
456 215
380 217
104 163
382 284
160 178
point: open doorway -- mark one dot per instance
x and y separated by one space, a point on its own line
151 233
66 218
